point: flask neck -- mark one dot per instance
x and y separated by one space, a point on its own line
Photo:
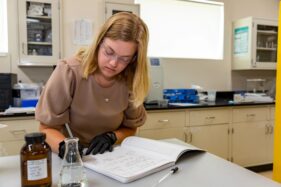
71 155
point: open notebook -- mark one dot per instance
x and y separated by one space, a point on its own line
137 157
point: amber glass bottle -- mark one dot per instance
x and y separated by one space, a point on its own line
36 161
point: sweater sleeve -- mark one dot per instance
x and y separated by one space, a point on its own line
53 106
134 116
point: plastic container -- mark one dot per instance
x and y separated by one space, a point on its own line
212 95
26 95
36 161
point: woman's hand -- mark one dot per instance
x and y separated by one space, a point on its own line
101 143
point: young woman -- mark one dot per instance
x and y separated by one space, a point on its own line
100 91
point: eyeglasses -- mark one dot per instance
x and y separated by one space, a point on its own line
110 54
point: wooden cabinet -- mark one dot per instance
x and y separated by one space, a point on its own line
252 136
243 135
254 43
270 137
164 124
12 133
208 129
39 32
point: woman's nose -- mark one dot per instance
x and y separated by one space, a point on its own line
114 61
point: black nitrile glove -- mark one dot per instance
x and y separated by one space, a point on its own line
72 155
102 143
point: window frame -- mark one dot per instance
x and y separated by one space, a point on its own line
210 40
4 27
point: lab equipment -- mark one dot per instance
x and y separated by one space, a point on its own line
256 85
156 78
7 80
72 172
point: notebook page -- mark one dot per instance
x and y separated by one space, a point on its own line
125 164
169 150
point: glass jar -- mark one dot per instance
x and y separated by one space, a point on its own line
36 161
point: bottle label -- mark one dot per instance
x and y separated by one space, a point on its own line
37 169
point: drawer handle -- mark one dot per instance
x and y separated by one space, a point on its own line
18 132
267 129
251 115
211 117
163 120
271 129
188 137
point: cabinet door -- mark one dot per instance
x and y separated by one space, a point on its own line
164 119
249 143
12 134
212 138
272 114
255 43
270 137
163 125
265 44
208 117
269 142
13 130
39 32
250 114
11 147
164 133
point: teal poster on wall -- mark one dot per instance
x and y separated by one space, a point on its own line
241 37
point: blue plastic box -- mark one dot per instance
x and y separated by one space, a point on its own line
29 102
181 95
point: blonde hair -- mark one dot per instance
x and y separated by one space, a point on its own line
126 27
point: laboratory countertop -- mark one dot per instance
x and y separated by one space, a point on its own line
18 115
168 107
195 169
205 105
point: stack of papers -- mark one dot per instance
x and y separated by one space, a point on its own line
184 104
252 97
256 97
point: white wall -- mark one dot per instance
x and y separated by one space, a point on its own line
211 74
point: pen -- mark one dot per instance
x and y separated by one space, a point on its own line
71 136
172 171
68 130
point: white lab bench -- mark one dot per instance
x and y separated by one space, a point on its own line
195 169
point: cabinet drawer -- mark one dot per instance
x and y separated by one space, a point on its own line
15 130
272 113
11 148
162 133
208 117
164 120
250 114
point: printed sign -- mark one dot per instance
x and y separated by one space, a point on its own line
241 37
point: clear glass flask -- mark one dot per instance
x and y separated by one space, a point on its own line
72 173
